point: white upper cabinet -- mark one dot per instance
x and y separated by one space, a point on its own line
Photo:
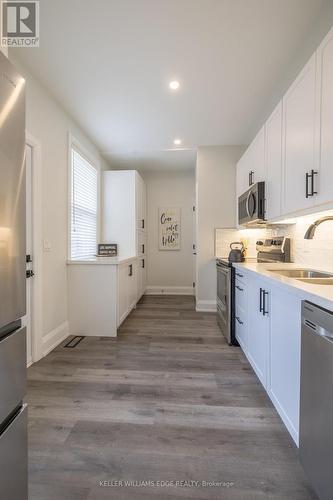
251 167
273 152
242 174
258 158
300 136
325 77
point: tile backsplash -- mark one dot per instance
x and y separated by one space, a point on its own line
312 253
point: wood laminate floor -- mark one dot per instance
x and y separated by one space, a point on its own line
168 400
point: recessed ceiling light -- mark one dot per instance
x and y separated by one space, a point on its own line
174 85
177 142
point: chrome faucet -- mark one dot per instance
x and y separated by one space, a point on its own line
312 229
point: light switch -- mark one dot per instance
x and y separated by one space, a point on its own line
47 247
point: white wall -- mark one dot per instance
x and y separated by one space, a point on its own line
216 207
49 124
171 271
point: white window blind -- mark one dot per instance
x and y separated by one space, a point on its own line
84 207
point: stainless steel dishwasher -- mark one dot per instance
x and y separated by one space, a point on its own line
316 411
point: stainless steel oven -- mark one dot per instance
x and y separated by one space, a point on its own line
225 299
251 205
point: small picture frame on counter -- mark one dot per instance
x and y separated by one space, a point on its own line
107 250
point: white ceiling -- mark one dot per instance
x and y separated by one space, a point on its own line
109 63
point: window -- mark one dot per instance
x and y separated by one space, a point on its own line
84 207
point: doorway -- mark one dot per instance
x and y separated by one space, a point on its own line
33 318
27 319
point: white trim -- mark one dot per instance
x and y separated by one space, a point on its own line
169 290
206 306
73 142
55 337
37 305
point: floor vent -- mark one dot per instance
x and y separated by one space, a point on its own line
74 342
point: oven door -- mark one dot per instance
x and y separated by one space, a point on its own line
223 301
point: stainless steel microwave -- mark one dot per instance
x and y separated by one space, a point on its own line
251 206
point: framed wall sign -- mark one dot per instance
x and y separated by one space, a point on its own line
169 228
107 250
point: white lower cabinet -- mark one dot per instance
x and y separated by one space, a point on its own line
285 354
258 330
142 276
269 333
127 289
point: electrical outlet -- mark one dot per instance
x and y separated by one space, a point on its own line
47 247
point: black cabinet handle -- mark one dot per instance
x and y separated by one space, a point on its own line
264 310
29 273
142 249
239 320
239 288
307 178
313 173
261 302
251 174
143 263
142 223
130 267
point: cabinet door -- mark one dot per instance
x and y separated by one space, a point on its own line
144 205
242 174
123 303
325 75
132 276
258 329
142 272
300 138
257 157
274 163
285 353
241 326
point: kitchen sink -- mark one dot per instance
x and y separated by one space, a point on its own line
307 275
317 281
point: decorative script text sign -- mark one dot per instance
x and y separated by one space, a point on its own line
169 228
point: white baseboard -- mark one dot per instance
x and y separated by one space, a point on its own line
169 290
55 337
206 306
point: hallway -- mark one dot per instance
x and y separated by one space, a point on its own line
167 400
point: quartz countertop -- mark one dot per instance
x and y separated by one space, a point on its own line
102 261
321 295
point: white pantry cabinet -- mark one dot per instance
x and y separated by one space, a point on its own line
273 153
300 136
272 342
258 327
124 210
285 355
325 77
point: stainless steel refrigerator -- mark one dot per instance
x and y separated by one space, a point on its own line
13 413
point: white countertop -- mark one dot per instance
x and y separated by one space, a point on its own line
318 294
102 261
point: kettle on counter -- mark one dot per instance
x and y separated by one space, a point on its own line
237 254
